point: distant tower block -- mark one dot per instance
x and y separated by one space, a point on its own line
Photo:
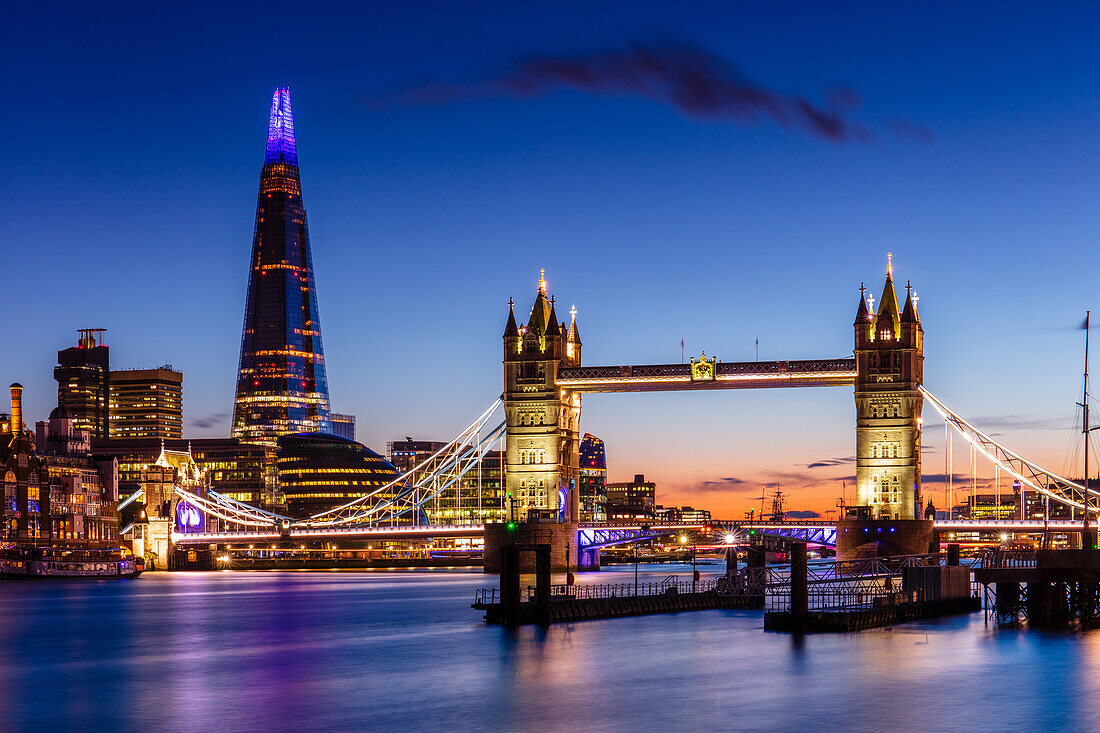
542 446
889 351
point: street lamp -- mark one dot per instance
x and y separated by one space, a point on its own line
729 538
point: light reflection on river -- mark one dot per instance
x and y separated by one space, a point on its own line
403 650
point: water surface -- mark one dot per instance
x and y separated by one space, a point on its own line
402 650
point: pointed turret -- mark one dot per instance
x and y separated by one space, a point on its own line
540 311
552 329
511 329
281 147
888 320
863 314
909 315
574 332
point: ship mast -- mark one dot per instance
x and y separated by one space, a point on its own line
1086 536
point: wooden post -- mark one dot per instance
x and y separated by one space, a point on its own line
800 592
542 583
509 585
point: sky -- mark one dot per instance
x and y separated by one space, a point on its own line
705 172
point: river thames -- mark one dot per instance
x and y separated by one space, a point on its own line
403 650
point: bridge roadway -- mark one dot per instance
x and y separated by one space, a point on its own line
606 534
401 533
727 375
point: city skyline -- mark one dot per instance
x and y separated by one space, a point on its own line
718 233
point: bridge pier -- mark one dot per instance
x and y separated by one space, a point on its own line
561 537
857 538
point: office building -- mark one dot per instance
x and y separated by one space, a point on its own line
481 495
343 426
281 382
638 492
593 480
146 403
319 471
83 375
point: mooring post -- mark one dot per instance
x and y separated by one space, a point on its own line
509 585
800 591
542 583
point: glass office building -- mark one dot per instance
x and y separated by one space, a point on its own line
318 472
281 384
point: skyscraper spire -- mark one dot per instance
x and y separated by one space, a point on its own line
281 147
281 383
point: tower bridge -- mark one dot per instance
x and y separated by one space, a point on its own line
537 419
544 381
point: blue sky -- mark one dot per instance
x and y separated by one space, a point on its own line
132 138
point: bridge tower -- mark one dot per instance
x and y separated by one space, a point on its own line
889 351
542 445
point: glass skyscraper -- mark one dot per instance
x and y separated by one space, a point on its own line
281 385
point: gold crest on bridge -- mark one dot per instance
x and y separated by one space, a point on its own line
703 370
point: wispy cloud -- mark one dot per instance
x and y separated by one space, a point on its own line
690 79
727 483
209 421
802 514
830 462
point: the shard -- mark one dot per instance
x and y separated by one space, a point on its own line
281 384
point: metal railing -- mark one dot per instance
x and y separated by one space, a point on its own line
670 585
487 596
624 590
848 584
998 558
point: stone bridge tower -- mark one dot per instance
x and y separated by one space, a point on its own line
542 446
889 352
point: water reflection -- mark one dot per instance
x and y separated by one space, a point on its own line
404 651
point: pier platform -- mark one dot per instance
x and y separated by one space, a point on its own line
589 602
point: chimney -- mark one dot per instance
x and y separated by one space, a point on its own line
16 407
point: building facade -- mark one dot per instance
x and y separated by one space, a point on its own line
83 375
319 471
232 468
889 352
146 403
343 426
638 492
480 496
53 492
543 444
281 382
592 485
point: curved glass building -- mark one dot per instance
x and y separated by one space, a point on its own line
318 471
281 384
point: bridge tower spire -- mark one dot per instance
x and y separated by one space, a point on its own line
542 443
889 352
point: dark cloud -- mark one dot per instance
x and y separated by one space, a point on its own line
903 128
727 483
802 514
212 420
694 81
829 462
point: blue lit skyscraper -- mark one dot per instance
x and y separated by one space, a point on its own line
281 385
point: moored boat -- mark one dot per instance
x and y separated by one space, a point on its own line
18 561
